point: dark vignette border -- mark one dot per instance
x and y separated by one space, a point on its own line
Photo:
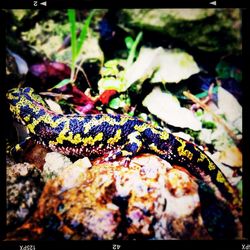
173 244
122 4
246 122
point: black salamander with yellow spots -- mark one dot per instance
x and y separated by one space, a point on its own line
118 135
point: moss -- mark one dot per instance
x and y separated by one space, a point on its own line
209 30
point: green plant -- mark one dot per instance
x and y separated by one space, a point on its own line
76 44
112 76
132 45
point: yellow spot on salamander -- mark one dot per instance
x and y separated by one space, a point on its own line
182 151
211 165
116 138
18 147
202 157
88 125
98 137
164 135
62 135
27 118
141 128
31 126
229 187
92 140
220 178
154 148
77 139
126 153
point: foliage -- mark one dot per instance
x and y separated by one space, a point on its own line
76 44
141 83
114 71
132 45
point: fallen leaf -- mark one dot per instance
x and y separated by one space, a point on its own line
20 62
54 106
167 66
175 66
230 107
167 107
144 66
80 98
227 171
49 73
231 156
88 108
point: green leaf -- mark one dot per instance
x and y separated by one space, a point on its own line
131 113
199 112
113 63
132 51
76 44
84 32
225 70
106 72
72 20
109 83
129 42
143 116
62 83
115 103
208 124
239 186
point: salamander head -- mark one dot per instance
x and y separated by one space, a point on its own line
15 95
22 103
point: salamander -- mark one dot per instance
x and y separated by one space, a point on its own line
116 135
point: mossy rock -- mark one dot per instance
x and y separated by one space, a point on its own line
211 30
44 33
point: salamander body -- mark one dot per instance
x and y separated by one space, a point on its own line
118 135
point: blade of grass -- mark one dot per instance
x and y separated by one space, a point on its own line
61 83
72 21
132 51
83 33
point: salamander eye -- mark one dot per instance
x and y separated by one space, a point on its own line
28 90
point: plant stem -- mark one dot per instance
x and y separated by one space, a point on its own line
215 116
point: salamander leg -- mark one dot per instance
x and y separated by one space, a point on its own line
17 150
130 149
113 155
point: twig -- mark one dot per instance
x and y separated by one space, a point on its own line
83 71
215 116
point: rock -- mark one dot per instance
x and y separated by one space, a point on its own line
211 30
149 199
24 186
